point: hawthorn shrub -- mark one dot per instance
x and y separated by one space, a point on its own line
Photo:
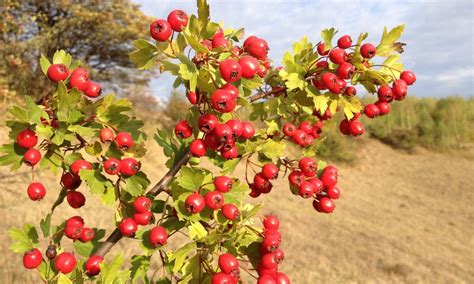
93 144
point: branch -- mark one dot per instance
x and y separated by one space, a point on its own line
161 185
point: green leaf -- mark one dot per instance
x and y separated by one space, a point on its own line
192 179
295 81
137 184
386 46
140 266
35 112
44 63
111 273
193 42
203 12
99 185
62 57
180 255
63 279
272 149
45 225
20 114
85 132
327 36
197 231
24 239
12 155
145 55
228 166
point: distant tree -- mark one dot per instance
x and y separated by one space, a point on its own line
175 109
99 33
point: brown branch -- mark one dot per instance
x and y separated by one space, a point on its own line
161 185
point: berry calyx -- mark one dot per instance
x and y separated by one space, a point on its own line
32 259
36 191
65 262
160 30
177 20
158 236
207 122
57 72
129 166
194 203
27 138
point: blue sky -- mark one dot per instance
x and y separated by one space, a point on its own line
439 33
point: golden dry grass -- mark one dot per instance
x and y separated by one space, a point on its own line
402 218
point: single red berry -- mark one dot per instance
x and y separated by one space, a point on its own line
129 166
231 89
265 272
194 203
356 128
306 189
296 177
344 41
345 70
220 42
32 259
112 166
317 183
27 138
128 227
92 265
197 148
299 137
143 219
338 55
322 65
207 122
79 80
329 179
289 129
254 192
223 101
214 200
271 222
400 89
344 127
230 211
384 107
75 199
79 71
192 97
258 48
228 263
183 130
65 262
385 93
333 192
230 70
326 205
308 166
36 191
73 231
248 131
350 91
268 261
329 80
229 154
330 170
408 76
141 204
271 243
322 49
70 181
57 72
222 278
306 126
281 278
270 171
249 66
178 19
211 141
93 90
367 50
87 235
223 183
266 279
371 110
106 135
75 221
248 41
158 236
124 140
160 30
32 157
236 126
79 165
261 182
223 132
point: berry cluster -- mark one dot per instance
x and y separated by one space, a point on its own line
161 30
79 79
74 229
305 134
141 216
230 270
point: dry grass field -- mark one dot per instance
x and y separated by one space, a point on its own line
402 218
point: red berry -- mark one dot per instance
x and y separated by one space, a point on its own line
128 227
87 235
261 182
223 101
183 130
223 183
270 171
322 49
75 199
193 97
248 41
112 166
231 71
296 177
197 148
141 204
143 219
93 90
399 89
222 278
194 203
317 183
308 166
178 19
344 127
326 205
258 48
306 126
306 189
207 122
236 126
27 138
65 262
220 41
300 137
248 131
281 278
211 141
249 66
371 110
268 261
214 200
106 135
338 55
79 80
73 231
271 243
32 157
160 30
322 65
231 89
32 259
230 211
228 263
36 191
367 50
333 192
350 91
229 154
92 265
330 170
271 222
329 80
345 70
384 107
356 128
129 166
57 72
79 71
79 165
289 129
124 140
70 181
75 221
385 93
408 76
329 179
158 236
344 42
